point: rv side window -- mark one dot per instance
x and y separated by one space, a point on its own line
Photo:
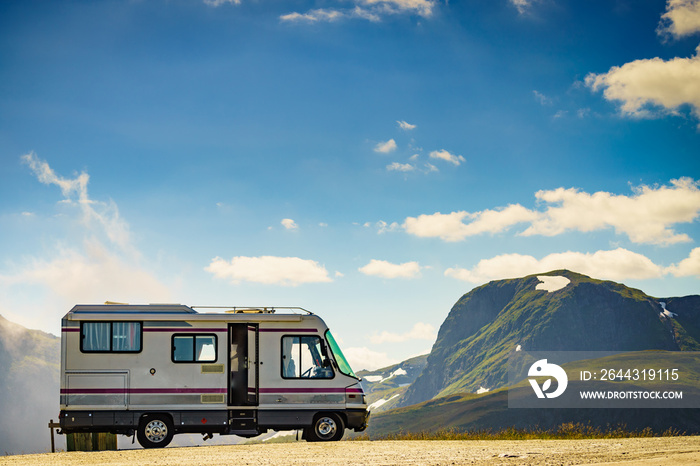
194 348
303 357
110 337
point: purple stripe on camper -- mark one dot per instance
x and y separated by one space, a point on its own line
302 390
183 329
138 391
70 329
289 330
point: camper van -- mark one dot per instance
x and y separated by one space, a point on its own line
159 370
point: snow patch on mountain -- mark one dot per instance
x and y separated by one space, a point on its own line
380 379
666 312
381 402
551 284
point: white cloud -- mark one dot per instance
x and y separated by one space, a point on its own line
385 147
400 167
371 10
448 227
98 263
451 227
313 16
682 18
405 125
216 3
430 168
688 267
455 160
642 86
363 358
541 98
522 5
363 13
583 112
104 214
383 227
384 269
271 270
419 7
617 264
289 224
420 331
645 217
93 275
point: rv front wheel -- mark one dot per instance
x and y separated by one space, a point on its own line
155 431
326 427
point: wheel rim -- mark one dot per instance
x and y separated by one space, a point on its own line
156 431
326 427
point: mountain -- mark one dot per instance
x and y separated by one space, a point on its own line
490 411
580 313
385 386
30 365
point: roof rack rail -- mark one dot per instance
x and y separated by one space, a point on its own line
254 309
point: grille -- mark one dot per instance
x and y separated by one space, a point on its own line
209 398
212 368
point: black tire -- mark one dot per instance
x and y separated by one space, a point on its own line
327 427
155 431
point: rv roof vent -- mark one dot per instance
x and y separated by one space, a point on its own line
254 310
264 310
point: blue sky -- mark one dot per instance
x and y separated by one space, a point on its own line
370 160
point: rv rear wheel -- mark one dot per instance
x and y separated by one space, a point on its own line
155 431
326 427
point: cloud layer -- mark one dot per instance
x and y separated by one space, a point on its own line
384 269
643 87
370 10
617 264
682 18
651 87
647 216
98 263
270 270
385 147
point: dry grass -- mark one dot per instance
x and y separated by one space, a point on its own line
567 431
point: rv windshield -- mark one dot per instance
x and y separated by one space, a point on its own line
343 365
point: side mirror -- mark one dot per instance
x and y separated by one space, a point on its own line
326 362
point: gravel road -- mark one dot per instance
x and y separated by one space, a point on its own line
660 451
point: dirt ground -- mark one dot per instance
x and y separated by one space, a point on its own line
653 451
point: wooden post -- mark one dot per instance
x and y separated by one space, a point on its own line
53 445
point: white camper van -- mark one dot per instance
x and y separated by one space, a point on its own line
159 370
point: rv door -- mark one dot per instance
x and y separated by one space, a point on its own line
252 362
243 364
